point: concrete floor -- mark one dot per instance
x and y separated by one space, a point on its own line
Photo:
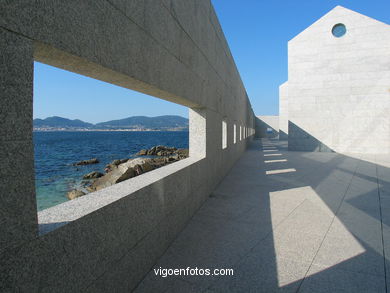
290 222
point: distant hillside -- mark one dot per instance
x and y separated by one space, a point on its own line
159 122
168 122
59 122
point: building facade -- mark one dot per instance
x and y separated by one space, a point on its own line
338 89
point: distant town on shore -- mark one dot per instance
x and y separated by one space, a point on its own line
134 123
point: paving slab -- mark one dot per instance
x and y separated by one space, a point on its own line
324 227
263 271
324 280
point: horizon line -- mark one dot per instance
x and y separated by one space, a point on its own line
34 118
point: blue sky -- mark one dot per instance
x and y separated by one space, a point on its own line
62 93
257 32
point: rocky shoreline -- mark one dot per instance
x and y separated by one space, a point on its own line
120 170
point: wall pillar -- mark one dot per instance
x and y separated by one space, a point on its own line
18 214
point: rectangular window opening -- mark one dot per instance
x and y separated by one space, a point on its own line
234 133
224 134
89 134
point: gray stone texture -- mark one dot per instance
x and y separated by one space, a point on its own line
17 200
316 229
338 88
108 240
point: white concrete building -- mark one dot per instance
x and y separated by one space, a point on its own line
283 111
338 89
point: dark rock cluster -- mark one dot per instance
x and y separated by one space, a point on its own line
120 170
87 162
164 151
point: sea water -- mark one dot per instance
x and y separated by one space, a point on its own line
56 152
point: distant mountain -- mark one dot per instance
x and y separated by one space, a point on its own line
159 122
168 122
59 122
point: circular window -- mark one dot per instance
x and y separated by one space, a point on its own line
339 30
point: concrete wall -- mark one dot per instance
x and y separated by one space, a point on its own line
339 88
106 241
267 126
283 111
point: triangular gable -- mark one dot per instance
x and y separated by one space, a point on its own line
339 14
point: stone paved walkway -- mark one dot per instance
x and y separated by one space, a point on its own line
290 222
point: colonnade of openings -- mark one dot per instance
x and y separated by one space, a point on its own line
239 133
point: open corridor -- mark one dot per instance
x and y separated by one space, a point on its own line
290 222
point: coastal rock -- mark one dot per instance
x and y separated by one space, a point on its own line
105 181
74 194
90 188
123 172
138 170
129 173
164 151
87 162
114 164
142 153
159 150
183 153
111 178
93 175
146 167
132 163
158 162
173 158
118 162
